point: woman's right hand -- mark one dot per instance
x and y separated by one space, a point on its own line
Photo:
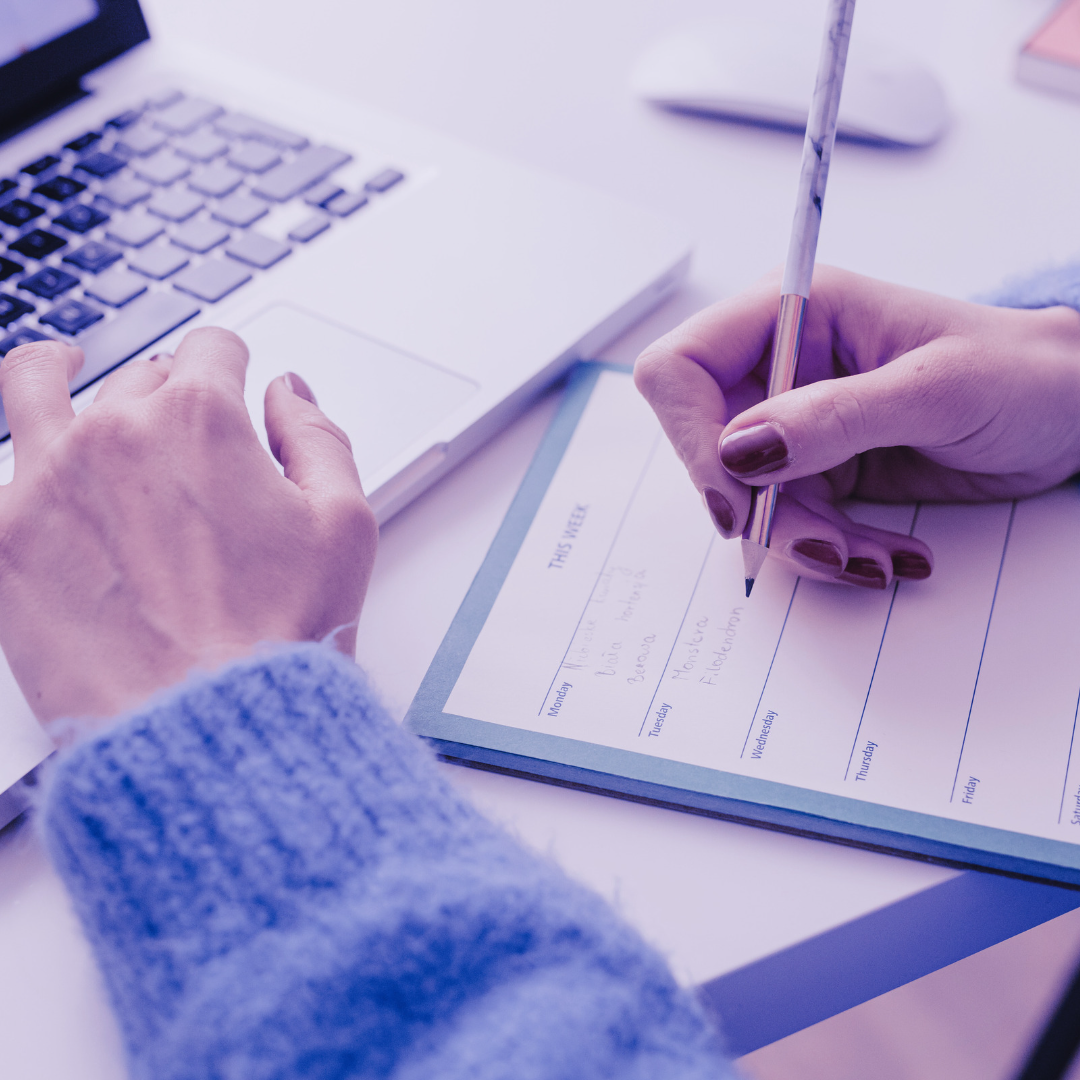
902 396
152 533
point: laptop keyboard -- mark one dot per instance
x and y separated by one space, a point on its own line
127 232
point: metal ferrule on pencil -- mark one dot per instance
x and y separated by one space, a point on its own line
785 362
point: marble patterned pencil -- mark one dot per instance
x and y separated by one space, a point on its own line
799 268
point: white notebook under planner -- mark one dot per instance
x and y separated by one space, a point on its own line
607 643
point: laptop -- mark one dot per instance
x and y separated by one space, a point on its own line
425 290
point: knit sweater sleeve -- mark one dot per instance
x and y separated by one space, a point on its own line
1050 287
277 883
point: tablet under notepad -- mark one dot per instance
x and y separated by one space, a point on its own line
606 643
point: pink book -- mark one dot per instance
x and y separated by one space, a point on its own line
1051 58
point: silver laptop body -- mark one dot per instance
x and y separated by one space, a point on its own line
425 290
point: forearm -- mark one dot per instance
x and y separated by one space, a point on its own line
271 873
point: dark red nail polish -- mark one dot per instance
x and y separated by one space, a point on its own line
817 555
754 451
909 564
299 387
722 512
865 572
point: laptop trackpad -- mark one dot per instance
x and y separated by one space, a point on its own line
383 399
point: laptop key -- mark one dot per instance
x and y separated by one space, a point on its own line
175 204
322 193
240 210
200 236
125 191
185 115
9 268
60 188
94 256
83 141
100 164
71 316
49 283
309 228
81 218
12 308
162 168
212 279
252 156
346 203
124 120
284 181
384 181
141 140
200 145
18 212
164 98
36 168
7 184
116 287
23 336
216 180
144 321
38 243
242 126
158 261
257 250
135 230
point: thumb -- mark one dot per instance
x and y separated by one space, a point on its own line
916 400
314 452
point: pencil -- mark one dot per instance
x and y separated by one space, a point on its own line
799 267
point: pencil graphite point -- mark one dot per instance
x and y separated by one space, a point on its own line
749 587
753 559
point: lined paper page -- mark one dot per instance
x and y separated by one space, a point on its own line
622 622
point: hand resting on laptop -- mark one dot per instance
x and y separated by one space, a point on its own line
152 534
902 396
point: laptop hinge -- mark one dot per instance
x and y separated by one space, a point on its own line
42 109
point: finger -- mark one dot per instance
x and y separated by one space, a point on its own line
692 411
138 379
210 356
930 398
728 339
909 556
821 542
34 386
814 544
314 452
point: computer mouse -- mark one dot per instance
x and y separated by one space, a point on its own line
759 66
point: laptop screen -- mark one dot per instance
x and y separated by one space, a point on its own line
46 46
29 24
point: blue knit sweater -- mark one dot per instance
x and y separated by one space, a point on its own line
277 883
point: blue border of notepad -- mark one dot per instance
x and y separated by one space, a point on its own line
676 784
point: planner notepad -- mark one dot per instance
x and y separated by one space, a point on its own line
607 643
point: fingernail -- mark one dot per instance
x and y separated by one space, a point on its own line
299 387
161 356
909 564
865 572
754 451
817 555
721 511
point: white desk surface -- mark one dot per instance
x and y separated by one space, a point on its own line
546 83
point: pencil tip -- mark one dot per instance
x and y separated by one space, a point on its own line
753 560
